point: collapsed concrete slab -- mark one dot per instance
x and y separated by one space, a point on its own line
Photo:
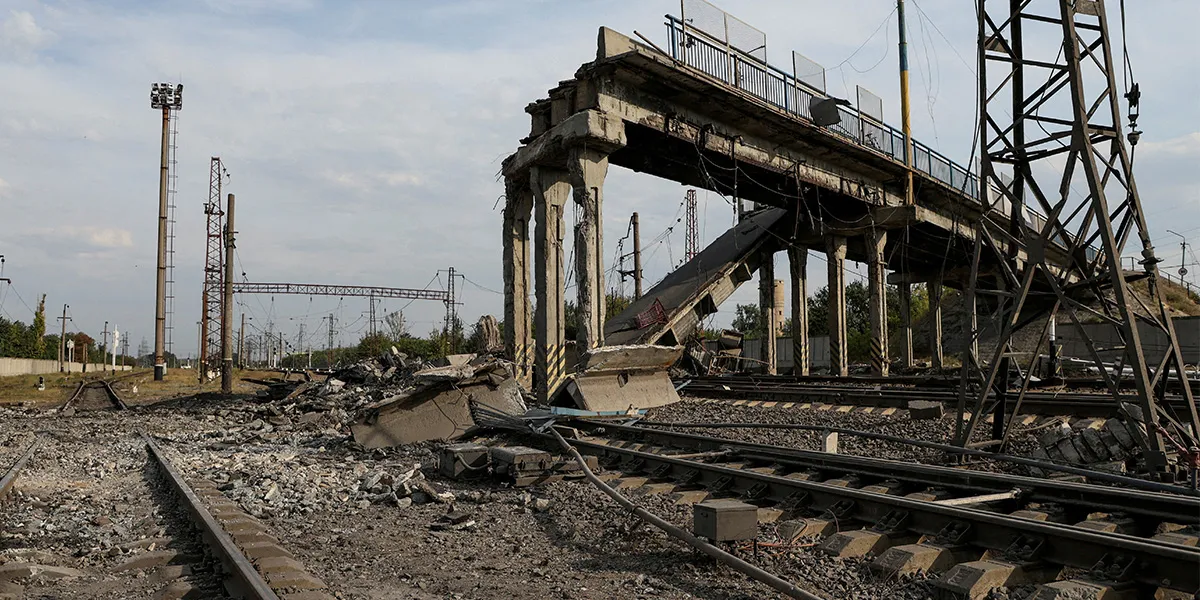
619 378
440 405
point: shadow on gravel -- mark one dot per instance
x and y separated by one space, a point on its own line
669 567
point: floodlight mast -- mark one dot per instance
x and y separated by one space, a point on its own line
165 97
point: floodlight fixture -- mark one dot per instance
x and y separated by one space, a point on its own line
166 95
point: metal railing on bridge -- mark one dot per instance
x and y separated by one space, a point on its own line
696 46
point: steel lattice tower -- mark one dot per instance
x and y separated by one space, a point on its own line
214 254
691 244
1051 145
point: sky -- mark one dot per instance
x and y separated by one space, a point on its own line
364 139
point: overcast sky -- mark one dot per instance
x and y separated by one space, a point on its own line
363 140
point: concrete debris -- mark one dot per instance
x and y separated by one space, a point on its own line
1105 444
391 400
921 410
441 403
617 378
488 335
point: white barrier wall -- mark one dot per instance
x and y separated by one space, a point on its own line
31 366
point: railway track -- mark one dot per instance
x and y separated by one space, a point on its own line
94 395
189 539
873 393
977 530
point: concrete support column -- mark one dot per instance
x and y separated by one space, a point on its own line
835 247
550 190
587 171
935 321
906 333
518 328
766 305
877 303
798 259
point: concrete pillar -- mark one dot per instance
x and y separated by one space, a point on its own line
587 171
550 190
766 305
518 330
906 333
835 247
798 259
877 303
935 321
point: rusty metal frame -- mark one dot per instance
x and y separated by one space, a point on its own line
1086 133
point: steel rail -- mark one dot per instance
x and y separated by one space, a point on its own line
10 477
1162 564
248 580
1042 403
1168 507
108 390
1126 481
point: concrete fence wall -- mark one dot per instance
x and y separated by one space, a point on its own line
1154 342
31 366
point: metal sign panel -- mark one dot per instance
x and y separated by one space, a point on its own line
808 71
869 104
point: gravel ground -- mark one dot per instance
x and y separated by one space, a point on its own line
87 502
698 410
383 524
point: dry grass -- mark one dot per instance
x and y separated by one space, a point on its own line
178 383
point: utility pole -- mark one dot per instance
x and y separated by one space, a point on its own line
62 341
637 257
202 352
280 349
329 345
242 343
227 304
451 312
104 341
116 346
905 108
1182 257
200 366
371 330
691 241
125 352
166 97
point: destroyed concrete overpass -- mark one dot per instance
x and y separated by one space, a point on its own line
680 116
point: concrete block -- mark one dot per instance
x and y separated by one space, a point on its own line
1116 428
1091 437
909 559
1074 589
725 520
12 571
860 543
259 550
148 560
612 43
180 590
923 410
294 580
973 580
1180 538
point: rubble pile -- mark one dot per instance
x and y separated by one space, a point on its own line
391 400
292 483
1106 444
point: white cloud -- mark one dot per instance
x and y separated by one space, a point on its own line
105 237
1184 145
22 36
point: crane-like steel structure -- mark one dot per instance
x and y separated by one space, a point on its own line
1051 142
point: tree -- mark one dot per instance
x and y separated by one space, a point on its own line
397 326
371 346
38 329
748 320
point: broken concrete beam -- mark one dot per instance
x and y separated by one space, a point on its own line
442 410
619 378
923 410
